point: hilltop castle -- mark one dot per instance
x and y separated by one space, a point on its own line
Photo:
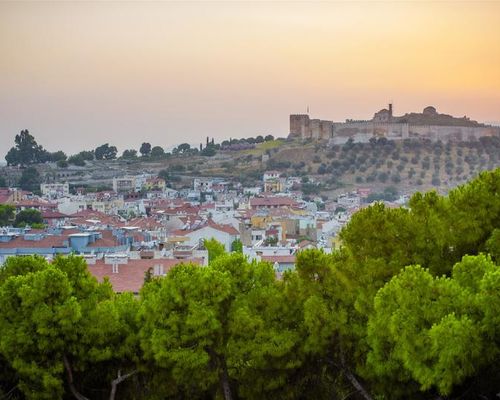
429 124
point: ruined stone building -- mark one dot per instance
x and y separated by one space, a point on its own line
429 124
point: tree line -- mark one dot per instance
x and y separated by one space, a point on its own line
408 307
28 216
26 151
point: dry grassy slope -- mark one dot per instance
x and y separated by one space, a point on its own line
410 165
342 167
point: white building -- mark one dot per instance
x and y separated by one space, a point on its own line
349 201
225 234
271 175
203 184
55 189
125 184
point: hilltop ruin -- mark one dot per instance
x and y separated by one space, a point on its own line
429 124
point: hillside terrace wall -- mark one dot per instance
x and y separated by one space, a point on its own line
362 132
452 133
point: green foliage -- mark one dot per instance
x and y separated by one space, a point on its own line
129 154
237 246
55 317
207 325
43 300
178 167
164 174
157 152
145 149
58 156
407 308
62 164
77 160
86 155
26 151
105 152
493 245
310 188
215 249
390 193
28 216
209 151
184 148
271 241
6 214
30 179
437 331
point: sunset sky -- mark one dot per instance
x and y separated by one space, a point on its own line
81 74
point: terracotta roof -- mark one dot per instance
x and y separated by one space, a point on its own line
67 232
305 243
82 217
46 242
279 259
49 214
4 198
271 201
145 223
130 276
224 228
34 203
107 240
104 242
89 213
209 223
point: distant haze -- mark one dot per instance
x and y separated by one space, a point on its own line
79 74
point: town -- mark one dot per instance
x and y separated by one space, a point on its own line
142 225
128 218
249 200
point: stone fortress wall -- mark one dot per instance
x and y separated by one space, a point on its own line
426 125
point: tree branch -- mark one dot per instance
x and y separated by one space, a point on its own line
357 384
351 378
71 385
119 379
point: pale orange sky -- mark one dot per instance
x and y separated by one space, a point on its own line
84 73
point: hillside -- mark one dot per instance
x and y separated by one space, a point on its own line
408 165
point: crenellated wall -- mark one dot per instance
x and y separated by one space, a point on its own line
301 126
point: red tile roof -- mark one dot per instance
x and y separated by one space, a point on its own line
49 214
224 228
305 243
35 204
104 242
145 223
279 259
209 223
46 242
82 217
275 201
4 198
130 276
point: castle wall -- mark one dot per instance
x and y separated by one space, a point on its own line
452 133
301 126
363 131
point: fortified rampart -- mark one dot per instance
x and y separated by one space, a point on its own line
439 127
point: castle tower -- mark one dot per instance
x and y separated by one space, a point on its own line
299 126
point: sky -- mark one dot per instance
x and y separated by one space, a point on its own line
80 74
